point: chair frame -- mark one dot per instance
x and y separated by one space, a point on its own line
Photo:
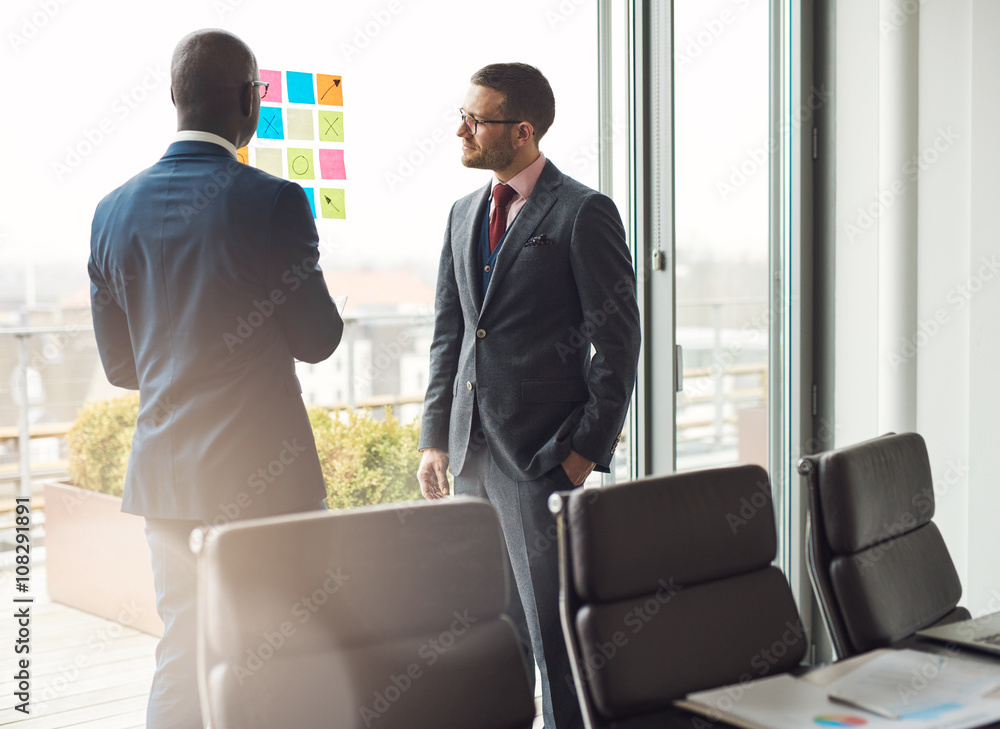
205 544
568 604
818 556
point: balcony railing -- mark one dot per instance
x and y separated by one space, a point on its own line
64 359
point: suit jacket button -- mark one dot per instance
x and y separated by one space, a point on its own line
481 333
469 384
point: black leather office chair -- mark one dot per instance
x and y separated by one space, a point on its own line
387 617
667 587
878 564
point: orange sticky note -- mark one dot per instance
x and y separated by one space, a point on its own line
243 155
329 90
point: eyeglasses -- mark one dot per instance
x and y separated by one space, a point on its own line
265 84
472 124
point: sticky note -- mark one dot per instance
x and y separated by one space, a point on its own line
332 203
269 160
243 155
273 78
329 90
300 124
311 194
331 164
269 125
300 164
331 126
300 88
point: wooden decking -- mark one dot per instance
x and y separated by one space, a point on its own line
86 672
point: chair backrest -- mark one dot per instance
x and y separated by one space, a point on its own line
667 587
383 617
878 564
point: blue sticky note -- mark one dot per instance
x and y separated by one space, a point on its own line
300 88
269 125
311 194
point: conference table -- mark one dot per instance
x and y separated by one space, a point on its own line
820 675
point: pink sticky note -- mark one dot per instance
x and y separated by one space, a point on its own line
331 164
274 94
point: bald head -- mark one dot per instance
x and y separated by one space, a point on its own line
209 80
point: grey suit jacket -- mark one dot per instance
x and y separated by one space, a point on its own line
563 282
205 288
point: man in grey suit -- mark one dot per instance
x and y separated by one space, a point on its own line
205 288
534 272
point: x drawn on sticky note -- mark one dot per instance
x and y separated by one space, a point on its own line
300 88
332 203
300 164
331 164
329 90
269 125
311 194
331 126
273 78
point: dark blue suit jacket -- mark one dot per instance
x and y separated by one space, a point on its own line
205 288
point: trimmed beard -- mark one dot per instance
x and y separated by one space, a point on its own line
497 156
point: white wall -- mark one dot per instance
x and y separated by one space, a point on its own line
932 303
943 356
984 312
856 236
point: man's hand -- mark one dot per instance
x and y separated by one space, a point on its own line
433 474
577 468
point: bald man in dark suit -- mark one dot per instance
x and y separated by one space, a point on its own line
206 287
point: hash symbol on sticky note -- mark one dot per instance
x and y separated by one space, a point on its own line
331 164
332 203
300 164
329 90
331 126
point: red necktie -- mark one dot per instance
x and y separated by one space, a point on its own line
502 195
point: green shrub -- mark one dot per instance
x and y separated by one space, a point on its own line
99 443
364 460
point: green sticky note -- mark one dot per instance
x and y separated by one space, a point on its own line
332 203
331 126
300 164
300 124
269 160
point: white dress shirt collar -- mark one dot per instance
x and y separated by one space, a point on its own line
191 135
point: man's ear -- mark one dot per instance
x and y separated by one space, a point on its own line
524 133
246 100
172 101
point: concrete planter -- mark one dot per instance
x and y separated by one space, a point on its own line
97 559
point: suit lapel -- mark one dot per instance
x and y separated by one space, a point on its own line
543 197
465 247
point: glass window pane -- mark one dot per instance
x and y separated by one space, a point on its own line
721 87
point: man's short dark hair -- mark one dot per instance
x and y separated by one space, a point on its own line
526 93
